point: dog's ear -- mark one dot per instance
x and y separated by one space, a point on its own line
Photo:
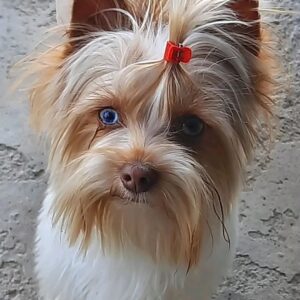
64 10
82 15
248 11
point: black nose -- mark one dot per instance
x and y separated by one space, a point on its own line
138 178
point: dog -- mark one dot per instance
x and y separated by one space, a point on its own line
152 110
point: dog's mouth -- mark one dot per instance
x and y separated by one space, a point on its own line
129 197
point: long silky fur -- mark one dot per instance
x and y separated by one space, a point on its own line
225 84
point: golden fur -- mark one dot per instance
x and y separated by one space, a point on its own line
228 87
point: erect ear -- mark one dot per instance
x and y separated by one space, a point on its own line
79 13
248 10
64 11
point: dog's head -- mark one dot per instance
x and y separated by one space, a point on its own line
145 150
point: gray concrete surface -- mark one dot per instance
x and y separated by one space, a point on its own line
267 266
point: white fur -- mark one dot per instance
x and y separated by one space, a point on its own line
64 11
64 273
112 61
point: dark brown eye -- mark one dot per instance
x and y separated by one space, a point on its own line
187 129
192 126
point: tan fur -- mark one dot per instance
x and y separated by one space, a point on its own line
86 157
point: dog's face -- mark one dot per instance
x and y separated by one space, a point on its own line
144 151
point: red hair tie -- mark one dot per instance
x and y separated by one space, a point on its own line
177 54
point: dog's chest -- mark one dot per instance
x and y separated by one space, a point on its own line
67 275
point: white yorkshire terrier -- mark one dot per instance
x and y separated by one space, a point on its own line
152 111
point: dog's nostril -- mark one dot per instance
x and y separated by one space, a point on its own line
138 178
126 177
143 180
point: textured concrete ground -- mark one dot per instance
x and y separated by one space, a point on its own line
267 265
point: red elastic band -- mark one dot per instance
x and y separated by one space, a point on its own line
177 54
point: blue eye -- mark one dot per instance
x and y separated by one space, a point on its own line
109 116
